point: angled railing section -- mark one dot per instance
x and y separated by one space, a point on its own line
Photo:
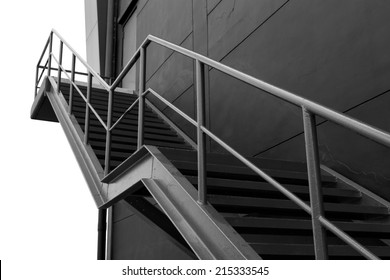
309 111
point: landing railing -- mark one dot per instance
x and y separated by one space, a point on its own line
309 111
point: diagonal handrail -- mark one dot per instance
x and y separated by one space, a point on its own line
309 108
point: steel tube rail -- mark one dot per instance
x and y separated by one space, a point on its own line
309 109
89 68
43 71
87 117
313 170
39 65
141 105
72 77
60 63
124 114
44 51
177 110
66 70
201 136
127 68
50 53
259 172
347 239
374 134
107 155
82 96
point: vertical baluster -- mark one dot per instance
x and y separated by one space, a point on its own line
313 169
107 157
201 136
141 106
72 78
87 114
36 80
50 50
59 67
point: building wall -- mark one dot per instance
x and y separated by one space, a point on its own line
137 238
95 30
332 52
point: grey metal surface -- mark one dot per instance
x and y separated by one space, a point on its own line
313 169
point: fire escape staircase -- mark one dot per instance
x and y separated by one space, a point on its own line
219 206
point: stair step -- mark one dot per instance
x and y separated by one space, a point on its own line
97 93
227 159
261 204
81 112
129 127
129 122
131 137
303 239
307 250
245 188
242 172
378 229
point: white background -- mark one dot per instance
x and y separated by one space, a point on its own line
48 216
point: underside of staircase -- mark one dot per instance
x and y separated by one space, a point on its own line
245 217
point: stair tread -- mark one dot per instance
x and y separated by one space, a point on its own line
271 203
308 249
264 186
227 159
283 223
242 170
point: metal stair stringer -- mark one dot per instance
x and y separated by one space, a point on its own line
204 229
84 154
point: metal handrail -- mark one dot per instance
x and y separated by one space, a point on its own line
309 109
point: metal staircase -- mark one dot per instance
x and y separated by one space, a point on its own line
218 206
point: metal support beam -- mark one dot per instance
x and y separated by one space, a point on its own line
87 114
50 49
201 136
313 168
107 156
59 66
71 83
141 104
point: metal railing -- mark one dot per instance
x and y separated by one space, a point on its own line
309 111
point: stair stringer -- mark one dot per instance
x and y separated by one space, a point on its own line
84 154
204 229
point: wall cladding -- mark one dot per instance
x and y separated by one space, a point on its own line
332 52
135 238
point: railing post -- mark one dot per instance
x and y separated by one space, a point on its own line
201 136
59 66
107 157
50 49
141 105
314 173
36 80
87 114
72 78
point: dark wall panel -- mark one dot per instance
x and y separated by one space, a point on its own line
170 20
133 238
174 77
211 4
232 21
317 50
333 52
187 103
244 116
360 159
